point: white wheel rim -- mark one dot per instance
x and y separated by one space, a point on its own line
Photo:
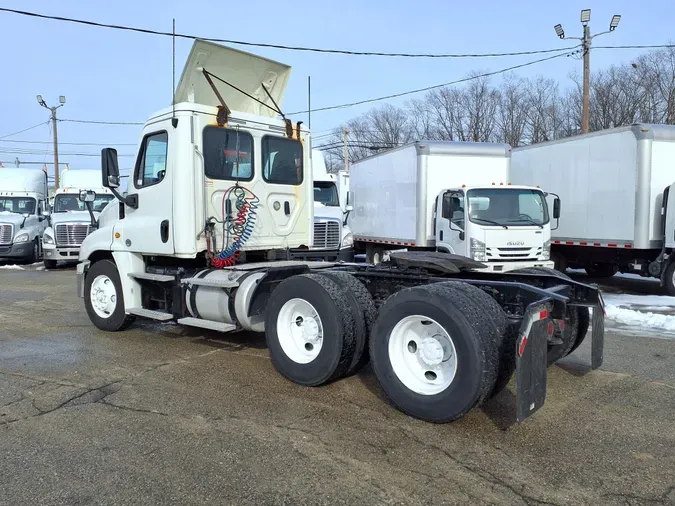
300 331
103 296
422 355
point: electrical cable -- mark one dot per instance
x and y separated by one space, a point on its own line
101 122
428 88
73 143
239 229
279 46
24 130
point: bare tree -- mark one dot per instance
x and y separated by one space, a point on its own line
513 111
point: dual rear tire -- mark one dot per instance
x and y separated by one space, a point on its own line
435 349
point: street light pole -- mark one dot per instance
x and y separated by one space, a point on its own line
586 50
62 100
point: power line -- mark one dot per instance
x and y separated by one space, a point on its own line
100 122
73 143
17 151
280 46
24 130
647 46
428 88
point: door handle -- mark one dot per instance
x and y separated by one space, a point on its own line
164 231
441 235
287 208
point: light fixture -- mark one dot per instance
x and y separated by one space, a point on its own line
62 99
615 22
39 99
585 16
559 31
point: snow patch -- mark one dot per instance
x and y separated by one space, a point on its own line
625 300
12 267
634 318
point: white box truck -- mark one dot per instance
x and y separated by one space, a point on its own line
616 186
197 239
70 221
332 238
452 197
23 213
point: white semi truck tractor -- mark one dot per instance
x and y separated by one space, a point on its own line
618 187
24 211
452 197
222 191
70 221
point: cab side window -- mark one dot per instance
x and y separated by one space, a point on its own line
151 164
282 160
453 208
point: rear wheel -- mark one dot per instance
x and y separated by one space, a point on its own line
374 254
365 313
434 352
103 298
601 270
310 329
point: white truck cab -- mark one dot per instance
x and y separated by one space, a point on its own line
70 219
24 210
333 239
506 227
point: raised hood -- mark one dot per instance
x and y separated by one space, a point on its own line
244 70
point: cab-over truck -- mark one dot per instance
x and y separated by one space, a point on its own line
203 239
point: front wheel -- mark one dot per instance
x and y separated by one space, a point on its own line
50 264
34 253
103 298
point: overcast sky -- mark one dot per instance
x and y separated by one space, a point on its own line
110 75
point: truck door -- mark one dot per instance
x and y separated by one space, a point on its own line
450 223
149 228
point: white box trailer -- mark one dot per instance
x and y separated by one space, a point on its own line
452 197
614 185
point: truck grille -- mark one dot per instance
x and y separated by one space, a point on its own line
512 254
6 233
70 234
327 234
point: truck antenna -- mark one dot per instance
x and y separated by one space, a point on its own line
174 120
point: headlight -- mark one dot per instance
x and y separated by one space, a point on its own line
22 238
478 250
546 251
47 239
348 241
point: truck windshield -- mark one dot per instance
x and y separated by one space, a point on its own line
70 202
20 205
326 193
512 207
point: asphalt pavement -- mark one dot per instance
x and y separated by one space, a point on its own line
162 414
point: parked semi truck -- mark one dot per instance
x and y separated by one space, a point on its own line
616 185
70 221
333 238
24 210
452 197
203 241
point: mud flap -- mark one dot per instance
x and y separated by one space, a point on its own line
531 362
598 334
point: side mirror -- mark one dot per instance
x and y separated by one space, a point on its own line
556 208
349 204
26 216
110 168
87 196
46 213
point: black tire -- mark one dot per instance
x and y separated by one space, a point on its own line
118 320
335 312
570 334
474 338
670 279
584 323
601 270
374 254
50 264
559 261
35 252
365 311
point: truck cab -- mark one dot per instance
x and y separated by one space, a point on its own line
507 227
24 210
70 219
333 239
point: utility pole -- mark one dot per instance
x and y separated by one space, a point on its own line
345 133
62 100
586 52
